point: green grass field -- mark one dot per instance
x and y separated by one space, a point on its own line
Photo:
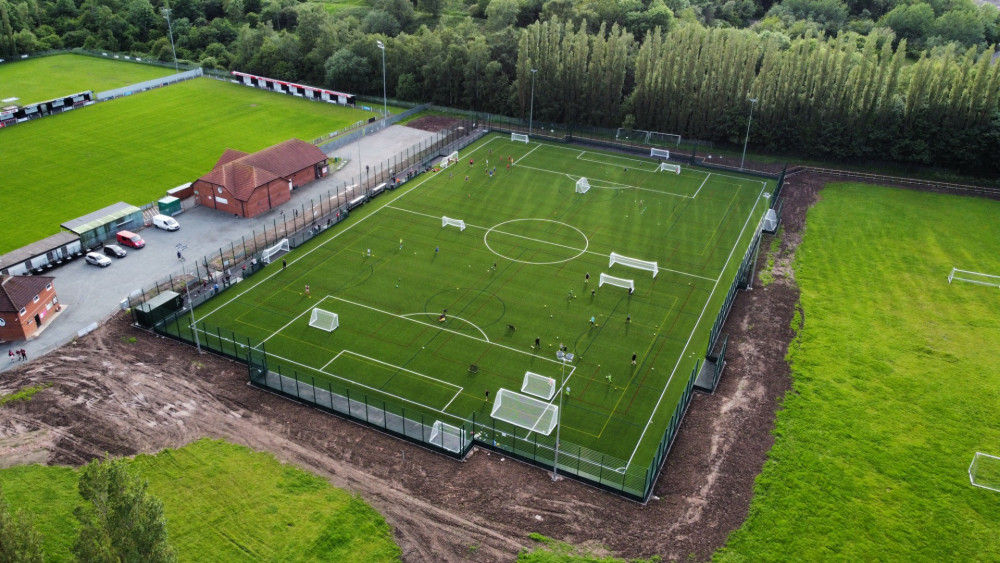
543 238
223 503
135 148
44 78
896 387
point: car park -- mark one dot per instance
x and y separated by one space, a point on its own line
114 250
98 259
165 222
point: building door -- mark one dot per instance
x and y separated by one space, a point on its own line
38 321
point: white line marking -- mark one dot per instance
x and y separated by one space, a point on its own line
709 175
487 338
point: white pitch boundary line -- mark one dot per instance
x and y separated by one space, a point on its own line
698 191
295 318
400 368
580 157
691 336
602 255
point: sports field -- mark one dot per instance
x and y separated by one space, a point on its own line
135 148
44 78
429 301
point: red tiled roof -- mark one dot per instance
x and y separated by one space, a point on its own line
240 173
16 292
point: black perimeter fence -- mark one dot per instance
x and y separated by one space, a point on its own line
218 273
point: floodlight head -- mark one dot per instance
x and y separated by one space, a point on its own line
534 70
753 100
165 11
380 44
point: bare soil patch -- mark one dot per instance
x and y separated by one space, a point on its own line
112 394
434 123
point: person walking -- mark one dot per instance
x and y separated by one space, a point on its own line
538 342
592 320
11 354
284 263
24 355
487 396
633 358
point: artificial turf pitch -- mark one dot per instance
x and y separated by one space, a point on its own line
516 273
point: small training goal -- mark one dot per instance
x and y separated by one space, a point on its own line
525 412
448 160
447 436
324 320
666 167
538 385
974 277
985 471
273 252
519 137
659 153
445 221
618 282
647 265
582 185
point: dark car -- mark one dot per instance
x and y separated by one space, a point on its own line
114 250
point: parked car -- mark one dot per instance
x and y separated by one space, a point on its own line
114 250
98 259
128 238
165 222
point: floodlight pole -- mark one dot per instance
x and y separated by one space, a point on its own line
166 13
385 106
753 102
531 112
555 457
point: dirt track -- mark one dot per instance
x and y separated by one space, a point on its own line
114 394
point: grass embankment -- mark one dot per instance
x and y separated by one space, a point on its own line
896 386
45 78
223 502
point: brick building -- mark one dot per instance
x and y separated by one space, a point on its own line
25 302
250 184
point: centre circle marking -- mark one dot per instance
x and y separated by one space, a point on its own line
577 255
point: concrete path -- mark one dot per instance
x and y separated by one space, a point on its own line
90 294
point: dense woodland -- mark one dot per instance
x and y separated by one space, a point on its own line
901 80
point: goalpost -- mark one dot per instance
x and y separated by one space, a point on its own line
525 412
446 161
538 385
659 153
617 282
519 137
324 320
447 436
445 221
665 167
276 250
974 277
985 471
647 265
582 185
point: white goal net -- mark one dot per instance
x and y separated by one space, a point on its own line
985 471
582 185
324 320
519 137
525 412
538 385
618 282
445 221
447 436
666 167
270 254
647 265
659 153
448 160
973 277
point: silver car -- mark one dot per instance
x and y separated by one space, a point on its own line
98 259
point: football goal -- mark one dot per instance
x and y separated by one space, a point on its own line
618 282
973 277
985 471
525 412
446 161
667 167
270 254
445 221
324 320
519 137
634 263
582 185
447 436
538 385
659 153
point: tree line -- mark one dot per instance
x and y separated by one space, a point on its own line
843 96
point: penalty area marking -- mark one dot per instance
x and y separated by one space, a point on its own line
399 368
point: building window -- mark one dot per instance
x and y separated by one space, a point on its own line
22 311
48 286
55 299
34 299
220 189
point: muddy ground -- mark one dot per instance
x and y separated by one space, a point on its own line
125 391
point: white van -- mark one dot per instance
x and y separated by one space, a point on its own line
165 222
